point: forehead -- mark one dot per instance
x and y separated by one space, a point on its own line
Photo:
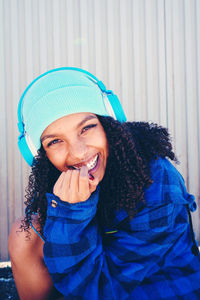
70 121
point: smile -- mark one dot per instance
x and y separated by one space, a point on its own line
91 164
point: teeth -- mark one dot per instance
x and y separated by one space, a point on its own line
92 163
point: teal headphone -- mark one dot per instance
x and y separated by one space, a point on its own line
111 102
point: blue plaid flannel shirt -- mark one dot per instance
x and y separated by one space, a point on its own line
146 258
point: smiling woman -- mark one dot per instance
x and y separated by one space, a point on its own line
108 215
75 141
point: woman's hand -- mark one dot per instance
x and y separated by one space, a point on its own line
75 186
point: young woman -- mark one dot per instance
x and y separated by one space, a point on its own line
108 215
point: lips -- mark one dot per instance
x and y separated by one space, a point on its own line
91 164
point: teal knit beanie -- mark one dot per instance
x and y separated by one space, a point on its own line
59 93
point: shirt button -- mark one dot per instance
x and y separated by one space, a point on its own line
54 203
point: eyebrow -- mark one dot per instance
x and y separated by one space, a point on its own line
87 118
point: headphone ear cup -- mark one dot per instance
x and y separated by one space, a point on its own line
24 149
113 106
116 106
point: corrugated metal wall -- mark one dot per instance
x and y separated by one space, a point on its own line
147 51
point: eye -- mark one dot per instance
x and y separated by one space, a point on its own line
88 127
53 142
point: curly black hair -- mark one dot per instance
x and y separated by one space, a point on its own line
132 145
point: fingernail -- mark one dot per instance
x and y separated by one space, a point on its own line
84 171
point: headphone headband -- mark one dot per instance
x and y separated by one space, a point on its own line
92 96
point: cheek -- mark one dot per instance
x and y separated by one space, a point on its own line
56 161
57 158
103 144
106 148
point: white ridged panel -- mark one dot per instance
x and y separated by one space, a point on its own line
197 31
3 145
43 34
139 61
146 51
192 100
179 97
101 42
126 57
113 46
161 50
151 54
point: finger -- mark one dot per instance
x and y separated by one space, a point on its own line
74 183
84 182
67 190
61 188
84 171
57 185
66 182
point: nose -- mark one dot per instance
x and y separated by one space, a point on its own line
77 152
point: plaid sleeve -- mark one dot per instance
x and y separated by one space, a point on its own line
73 250
157 241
